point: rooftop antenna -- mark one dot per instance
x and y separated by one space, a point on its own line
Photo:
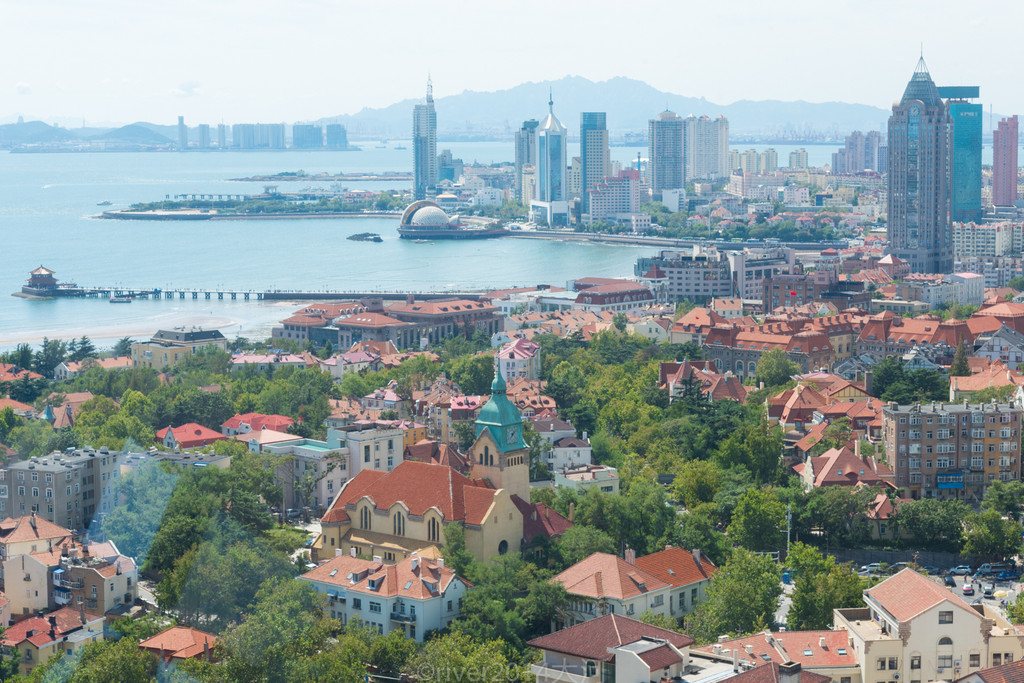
430 89
551 102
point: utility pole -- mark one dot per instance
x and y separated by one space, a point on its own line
789 524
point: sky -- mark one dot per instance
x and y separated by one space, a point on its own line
119 61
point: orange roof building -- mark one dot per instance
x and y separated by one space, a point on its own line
189 435
179 643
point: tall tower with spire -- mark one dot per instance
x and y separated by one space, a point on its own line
551 206
920 227
424 145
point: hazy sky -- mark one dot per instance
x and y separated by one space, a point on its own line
275 60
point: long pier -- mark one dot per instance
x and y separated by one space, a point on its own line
207 294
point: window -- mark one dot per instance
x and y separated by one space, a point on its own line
893 663
357 603
946 661
375 607
449 605
997 659
975 659
880 664
946 617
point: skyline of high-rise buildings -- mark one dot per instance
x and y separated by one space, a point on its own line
424 145
551 204
706 147
526 153
919 226
966 119
1004 162
595 156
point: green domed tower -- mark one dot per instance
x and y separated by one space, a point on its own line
499 452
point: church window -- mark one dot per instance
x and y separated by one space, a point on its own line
399 524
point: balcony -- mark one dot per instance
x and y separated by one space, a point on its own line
62 597
566 674
403 617
74 585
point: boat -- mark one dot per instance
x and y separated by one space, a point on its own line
420 241
120 299
400 147
105 202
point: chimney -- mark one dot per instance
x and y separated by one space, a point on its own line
696 555
572 512
410 299
439 562
352 552
81 612
414 561
630 555
377 559
821 643
32 519
735 661
338 552
856 448
869 382
789 672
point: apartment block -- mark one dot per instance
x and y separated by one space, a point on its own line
952 450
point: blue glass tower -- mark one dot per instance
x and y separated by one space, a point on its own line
965 139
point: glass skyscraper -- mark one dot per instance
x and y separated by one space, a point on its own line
595 158
920 230
965 174
424 145
665 152
1004 163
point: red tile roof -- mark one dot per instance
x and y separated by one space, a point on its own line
793 643
30 528
15 405
258 421
769 673
179 642
676 566
607 576
66 620
908 594
540 520
592 639
1007 673
190 435
429 579
842 467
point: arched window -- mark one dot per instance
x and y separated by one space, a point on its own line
486 459
591 669
399 524
433 530
364 518
752 368
945 641
739 367
503 547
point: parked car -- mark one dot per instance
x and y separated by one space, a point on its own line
968 589
988 569
960 570
871 568
988 590
931 570
949 581
1009 575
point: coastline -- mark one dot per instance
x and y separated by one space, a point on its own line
125 215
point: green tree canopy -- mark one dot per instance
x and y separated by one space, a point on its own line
741 599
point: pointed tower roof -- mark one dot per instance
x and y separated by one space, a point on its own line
551 123
499 415
921 87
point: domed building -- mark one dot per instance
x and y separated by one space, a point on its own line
424 214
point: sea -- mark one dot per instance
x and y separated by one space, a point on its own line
49 203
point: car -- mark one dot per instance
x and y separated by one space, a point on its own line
931 570
960 570
1008 575
968 589
988 590
949 581
871 568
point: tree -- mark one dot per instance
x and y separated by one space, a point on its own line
774 368
473 374
741 599
457 657
619 321
454 551
1005 497
696 482
837 434
932 522
104 661
822 585
580 542
1015 610
959 368
1018 284
659 620
759 521
539 448
988 534
123 347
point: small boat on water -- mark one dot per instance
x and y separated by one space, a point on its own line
400 147
120 299
105 202
420 241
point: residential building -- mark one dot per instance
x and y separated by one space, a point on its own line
30 534
424 146
417 323
179 643
665 152
671 582
582 478
986 239
414 596
952 450
1005 345
920 229
188 435
996 375
248 422
700 274
615 199
168 348
307 136
264 362
550 205
750 267
337 136
520 358
313 474
706 148
612 649
858 154
844 467
739 349
913 628
966 119
372 445
69 369
825 653
1005 673
396 513
258 441
64 488
526 153
798 159
595 157
95 576
182 134
1004 162
61 633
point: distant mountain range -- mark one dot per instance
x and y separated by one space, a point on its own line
629 104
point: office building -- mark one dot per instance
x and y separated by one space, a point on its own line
182 134
859 153
550 206
243 136
526 153
448 168
798 159
965 152
706 147
595 157
204 136
424 146
952 450
307 136
665 152
222 136
1004 162
920 230
337 136
615 199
